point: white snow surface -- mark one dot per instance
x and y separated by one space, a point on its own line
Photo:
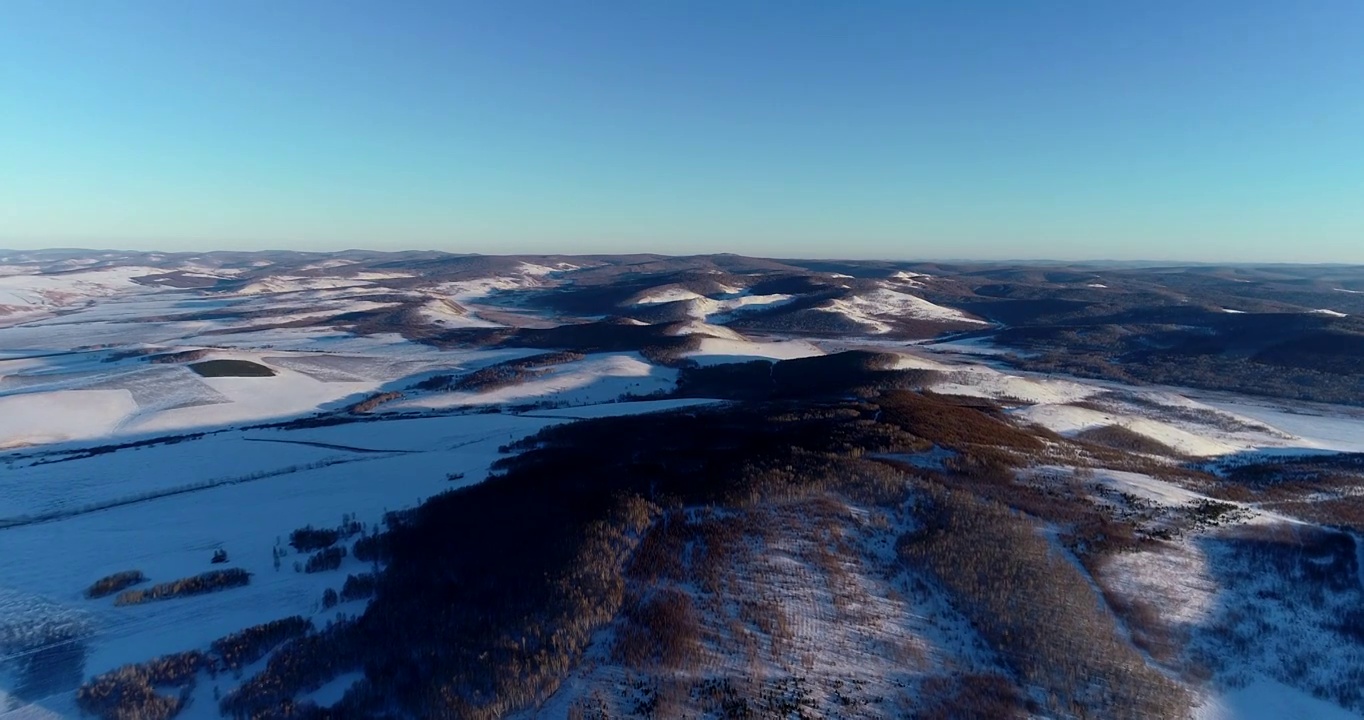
29 294
248 489
1270 700
984 381
666 295
700 327
717 351
912 279
442 312
280 284
972 346
872 308
711 310
595 379
46 417
636 407
1068 420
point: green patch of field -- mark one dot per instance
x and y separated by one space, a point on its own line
231 368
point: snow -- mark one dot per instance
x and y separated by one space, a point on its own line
1194 423
445 313
1153 489
912 279
45 417
595 379
286 394
855 639
241 489
1175 578
740 301
290 284
39 293
43 483
281 481
329 264
1302 425
72 397
909 361
1270 700
717 351
638 407
884 302
465 290
982 381
526 268
698 327
971 346
332 692
1068 420
666 295
382 275
173 536
719 309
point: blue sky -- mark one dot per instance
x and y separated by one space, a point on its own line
1209 130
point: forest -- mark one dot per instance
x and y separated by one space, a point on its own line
456 632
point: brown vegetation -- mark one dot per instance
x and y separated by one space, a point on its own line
197 585
1036 609
591 527
117 582
249 645
372 402
130 692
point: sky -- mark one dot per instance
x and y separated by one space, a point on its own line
1213 130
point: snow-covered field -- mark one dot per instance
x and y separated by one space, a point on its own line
174 536
165 508
110 462
874 308
595 379
23 296
715 351
712 309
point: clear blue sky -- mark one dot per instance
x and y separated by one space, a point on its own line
1202 130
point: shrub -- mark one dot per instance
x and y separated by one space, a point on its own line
117 582
372 402
129 693
199 584
249 645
